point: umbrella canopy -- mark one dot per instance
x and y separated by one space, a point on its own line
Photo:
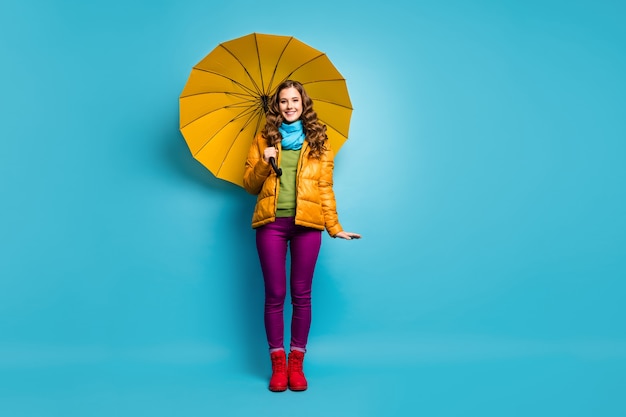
224 102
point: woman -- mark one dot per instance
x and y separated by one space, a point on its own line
292 209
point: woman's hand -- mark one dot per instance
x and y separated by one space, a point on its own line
269 153
348 235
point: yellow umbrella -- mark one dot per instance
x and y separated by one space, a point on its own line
223 104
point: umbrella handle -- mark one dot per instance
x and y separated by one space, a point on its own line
278 171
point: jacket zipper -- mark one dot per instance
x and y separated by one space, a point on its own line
298 171
277 183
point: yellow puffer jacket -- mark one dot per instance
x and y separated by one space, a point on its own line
315 198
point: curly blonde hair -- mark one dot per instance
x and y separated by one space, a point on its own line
315 131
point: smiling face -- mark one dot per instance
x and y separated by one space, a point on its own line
290 104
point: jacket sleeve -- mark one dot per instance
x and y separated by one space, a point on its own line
257 170
329 205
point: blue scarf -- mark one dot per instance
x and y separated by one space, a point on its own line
293 135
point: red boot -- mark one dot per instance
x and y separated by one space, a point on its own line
297 381
278 381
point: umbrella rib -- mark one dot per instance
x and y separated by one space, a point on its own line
280 57
329 80
244 68
319 100
246 111
328 101
333 127
258 58
243 96
235 105
305 63
252 92
253 114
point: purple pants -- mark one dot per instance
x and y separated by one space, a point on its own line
304 244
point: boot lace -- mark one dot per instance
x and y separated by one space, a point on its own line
278 364
295 363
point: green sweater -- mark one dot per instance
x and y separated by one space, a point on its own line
287 193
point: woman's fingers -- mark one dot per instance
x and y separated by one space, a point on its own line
269 153
348 235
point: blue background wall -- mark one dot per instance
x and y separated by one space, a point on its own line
485 169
